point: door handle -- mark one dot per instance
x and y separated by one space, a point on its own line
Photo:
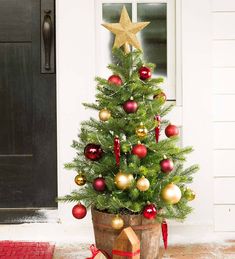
47 33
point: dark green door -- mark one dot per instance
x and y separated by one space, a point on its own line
28 163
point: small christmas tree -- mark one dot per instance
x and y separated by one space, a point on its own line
125 164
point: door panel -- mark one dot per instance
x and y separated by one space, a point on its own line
17 188
28 171
15 98
15 20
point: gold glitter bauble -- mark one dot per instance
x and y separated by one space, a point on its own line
80 179
141 131
171 194
104 114
123 180
143 184
117 223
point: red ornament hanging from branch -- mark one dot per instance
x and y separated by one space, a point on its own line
157 129
116 150
79 211
115 80
165 233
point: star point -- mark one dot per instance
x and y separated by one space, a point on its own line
125 31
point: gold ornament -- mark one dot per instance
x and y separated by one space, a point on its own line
125 31
189 194
80 179
141 131
159 94
143 184
117 222
123 180
171 194
104 114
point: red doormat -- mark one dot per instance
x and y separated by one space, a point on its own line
26 250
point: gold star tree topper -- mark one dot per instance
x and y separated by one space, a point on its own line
125 31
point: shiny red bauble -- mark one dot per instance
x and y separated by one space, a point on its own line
140 150
167 165
99 184
130 106
79 211
145 73
150 211
115 80
171 131
93 152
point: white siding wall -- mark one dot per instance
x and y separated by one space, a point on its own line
223 65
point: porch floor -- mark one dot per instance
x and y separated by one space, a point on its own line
200 251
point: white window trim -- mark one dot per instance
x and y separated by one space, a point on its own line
173 47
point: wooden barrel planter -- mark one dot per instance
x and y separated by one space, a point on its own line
148 232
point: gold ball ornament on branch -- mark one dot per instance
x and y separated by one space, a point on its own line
143 184
141 131
80 179
117 223
160 95
104 114
189 194
171 194
123 181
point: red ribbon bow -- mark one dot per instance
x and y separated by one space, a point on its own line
95 251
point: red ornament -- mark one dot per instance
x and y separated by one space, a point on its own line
165 233
99 184
145 73
171 131
79 211
157 129
116 150
93 152
130 106
161 95
166 165
150 211
115 80
140 150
